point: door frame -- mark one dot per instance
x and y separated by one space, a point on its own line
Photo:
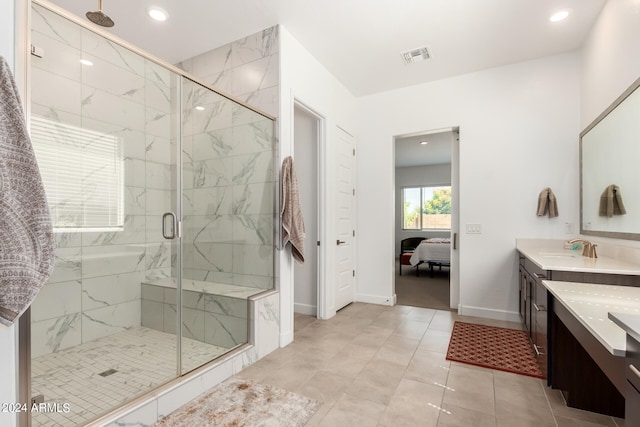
321 191
454 275
353 218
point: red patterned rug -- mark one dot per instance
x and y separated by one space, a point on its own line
503 349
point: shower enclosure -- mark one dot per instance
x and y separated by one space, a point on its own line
162 198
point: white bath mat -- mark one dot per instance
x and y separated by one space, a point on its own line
241 402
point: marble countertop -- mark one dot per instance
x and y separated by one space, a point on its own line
591 305
551 255
630 323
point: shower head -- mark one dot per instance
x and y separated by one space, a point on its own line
99 17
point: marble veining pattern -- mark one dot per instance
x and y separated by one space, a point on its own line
217 318
143 358
222 289
56 27
237 188
55 334
226 143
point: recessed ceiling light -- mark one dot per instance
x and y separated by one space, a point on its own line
559 15
86 62
200 108
157 13
424 142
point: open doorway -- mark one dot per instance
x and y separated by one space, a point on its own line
426 218
306 130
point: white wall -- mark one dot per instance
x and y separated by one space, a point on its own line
8 363
306 161
610 57
610 64
519 128
304 79
418 176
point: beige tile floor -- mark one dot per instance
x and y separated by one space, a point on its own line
383 366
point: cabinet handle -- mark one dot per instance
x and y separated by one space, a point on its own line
634 370
538 352
540 275
539 307
339 242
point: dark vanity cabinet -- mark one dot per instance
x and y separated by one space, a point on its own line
524 295
632 373
539 331
533 307
570 356
534 300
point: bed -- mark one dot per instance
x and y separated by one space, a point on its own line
436 252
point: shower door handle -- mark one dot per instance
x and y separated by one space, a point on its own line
174 226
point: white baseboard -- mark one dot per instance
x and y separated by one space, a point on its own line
489 313
308 309
286 338
375 299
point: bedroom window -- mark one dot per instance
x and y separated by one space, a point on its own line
426 208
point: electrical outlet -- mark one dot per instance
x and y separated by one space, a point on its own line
474 229
568 228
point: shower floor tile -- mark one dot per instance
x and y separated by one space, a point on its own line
142 358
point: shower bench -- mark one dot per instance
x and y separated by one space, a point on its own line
215 313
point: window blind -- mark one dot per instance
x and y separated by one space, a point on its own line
83 175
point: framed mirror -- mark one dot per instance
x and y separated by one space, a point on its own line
610 170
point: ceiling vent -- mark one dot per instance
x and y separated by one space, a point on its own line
416 55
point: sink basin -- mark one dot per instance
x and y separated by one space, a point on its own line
559 255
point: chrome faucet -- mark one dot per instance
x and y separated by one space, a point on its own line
589 249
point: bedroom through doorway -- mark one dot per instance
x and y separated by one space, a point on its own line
425 218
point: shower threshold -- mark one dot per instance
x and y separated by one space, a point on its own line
137 360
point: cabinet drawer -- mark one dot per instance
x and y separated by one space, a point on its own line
632 369
536 272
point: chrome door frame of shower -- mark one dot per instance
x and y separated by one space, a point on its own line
23 64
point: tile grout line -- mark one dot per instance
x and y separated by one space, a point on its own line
544 392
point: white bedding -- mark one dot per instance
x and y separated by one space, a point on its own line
437 249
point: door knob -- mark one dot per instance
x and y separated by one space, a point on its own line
340 241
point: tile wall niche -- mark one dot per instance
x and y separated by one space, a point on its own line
95 289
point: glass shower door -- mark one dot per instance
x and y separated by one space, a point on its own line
228 211
206 202
105 131
132 153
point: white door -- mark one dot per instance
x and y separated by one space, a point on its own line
345 215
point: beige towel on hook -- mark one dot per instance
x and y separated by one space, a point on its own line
26 238
290 212
611 202
547 203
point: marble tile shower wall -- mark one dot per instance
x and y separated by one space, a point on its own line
95 288
229 172
248 69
